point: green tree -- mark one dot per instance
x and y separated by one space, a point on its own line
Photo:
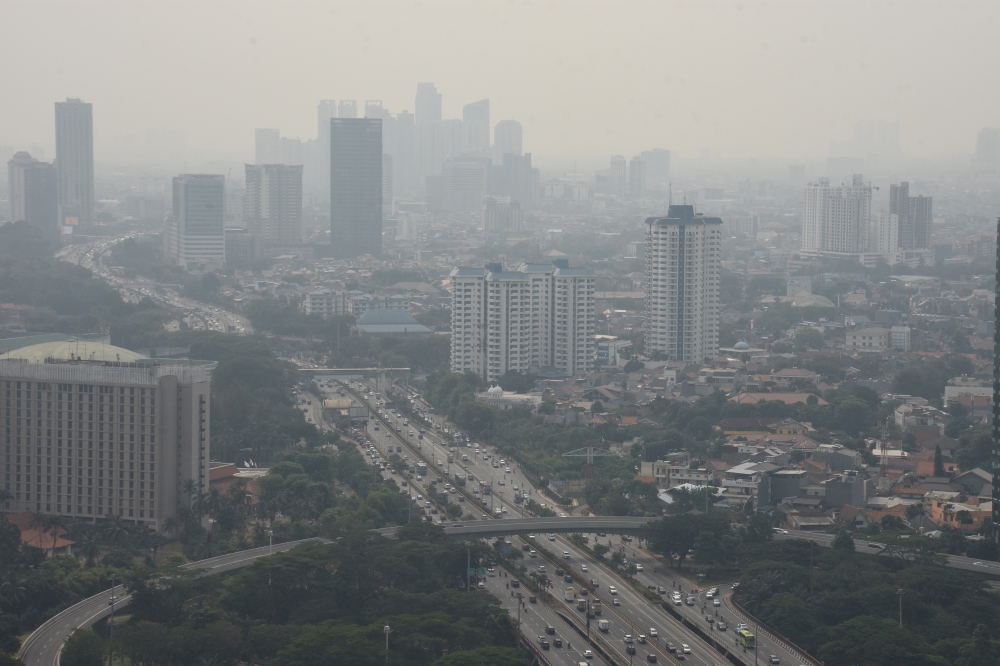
808 338
484 656
843 541
83 648
938 461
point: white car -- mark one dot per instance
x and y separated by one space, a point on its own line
685 648
562 515
588 654
652 632
552 537
584 568
612 589
638 567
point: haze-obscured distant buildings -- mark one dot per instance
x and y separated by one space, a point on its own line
32 188
356 186
273 203
193 236
75 162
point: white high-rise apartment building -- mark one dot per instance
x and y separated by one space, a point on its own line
539 316
683 265
836 219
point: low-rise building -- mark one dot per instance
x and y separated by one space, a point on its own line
676 471
326 303
873 339
495 396
748 482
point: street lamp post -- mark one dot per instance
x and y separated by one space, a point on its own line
387 631
111 623
899 593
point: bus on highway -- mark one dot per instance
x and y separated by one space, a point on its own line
422 469
746 639
485 488
459 479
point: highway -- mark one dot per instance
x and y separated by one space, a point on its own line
197 315
43 646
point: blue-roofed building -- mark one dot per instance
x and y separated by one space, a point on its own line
390 322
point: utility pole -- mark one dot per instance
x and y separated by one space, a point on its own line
899 592
111 623
468 568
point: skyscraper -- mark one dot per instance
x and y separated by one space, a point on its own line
427 105
75 162
321 158
476 127
348 108
836 219
657 164
683 268
506 140
636 176
539 316
356 186
267 146
618 175
194 234
273 203
915 217
464 182
995 462
33 192
515 178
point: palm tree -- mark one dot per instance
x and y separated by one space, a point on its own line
200 504
156 542
190 489
12 592
170 525
116 530
142 537
88 543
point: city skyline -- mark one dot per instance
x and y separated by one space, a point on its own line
839 68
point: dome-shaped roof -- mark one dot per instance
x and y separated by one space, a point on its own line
495 390
72 350
741 345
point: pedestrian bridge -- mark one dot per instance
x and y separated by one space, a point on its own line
483 529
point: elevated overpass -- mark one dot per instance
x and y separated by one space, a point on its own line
354 373
484 529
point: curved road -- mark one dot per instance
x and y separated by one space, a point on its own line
43 646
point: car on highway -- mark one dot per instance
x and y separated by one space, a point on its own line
588 654
616 602
774 659
612 589
716 602
685 648
638 567
652 632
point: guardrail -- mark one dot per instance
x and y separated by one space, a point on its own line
770 632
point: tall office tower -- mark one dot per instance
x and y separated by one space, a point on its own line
915 217
987 157
356 186
404 166
272 205
387 203
194 235
33 192
836 219
683 268
129 436
506 140
320 178
291 151
995 462
75 162
636 176
657 162
502 216
464 184
348 108
618 177
427 105
515 178
374 109
538 316
267 143
476 122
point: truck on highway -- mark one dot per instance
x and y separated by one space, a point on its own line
451 458
570 593
603 625
486 488
597 607
459 479
443 497
422 469
581 604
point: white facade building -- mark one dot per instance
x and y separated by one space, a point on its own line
683 267
326 303
836 219
539 316
194 235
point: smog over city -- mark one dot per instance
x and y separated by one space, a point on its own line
499 333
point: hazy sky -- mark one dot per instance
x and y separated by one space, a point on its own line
585 78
